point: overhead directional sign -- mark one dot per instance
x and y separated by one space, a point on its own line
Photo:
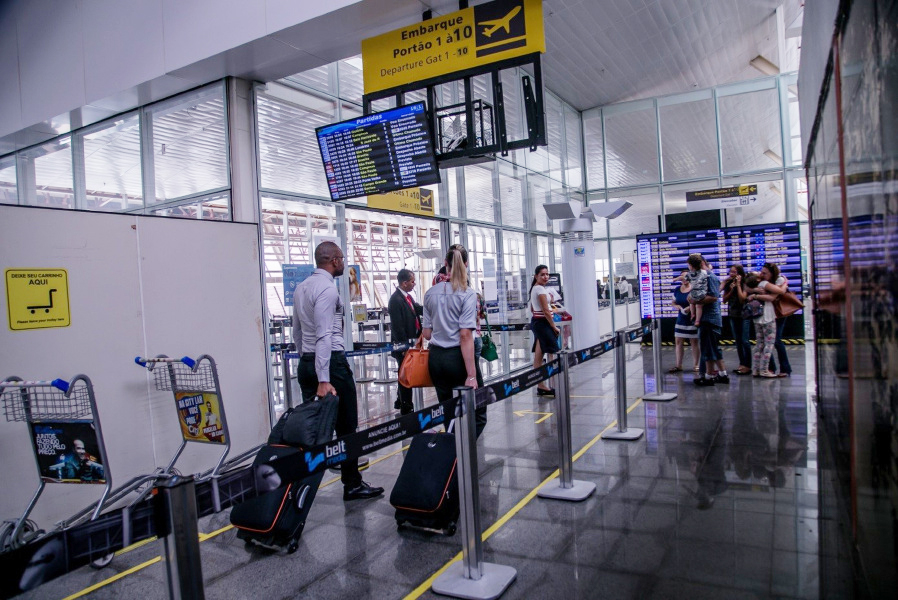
461 40
37 298
730 197
414 201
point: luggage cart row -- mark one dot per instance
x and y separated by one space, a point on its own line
69 447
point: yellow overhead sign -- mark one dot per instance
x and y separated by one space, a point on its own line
461 40
414 201
37 298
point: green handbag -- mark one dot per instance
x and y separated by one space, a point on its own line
488 351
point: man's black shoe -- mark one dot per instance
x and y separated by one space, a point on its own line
362 492
722 379
703 381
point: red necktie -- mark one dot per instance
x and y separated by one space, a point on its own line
411 305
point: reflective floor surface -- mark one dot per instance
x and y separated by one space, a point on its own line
717 500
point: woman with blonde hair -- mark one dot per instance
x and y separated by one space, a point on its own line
449 321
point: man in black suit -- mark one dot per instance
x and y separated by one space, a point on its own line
405 325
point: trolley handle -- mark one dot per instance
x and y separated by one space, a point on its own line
60 384
149 362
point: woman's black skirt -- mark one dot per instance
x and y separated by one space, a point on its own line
542 333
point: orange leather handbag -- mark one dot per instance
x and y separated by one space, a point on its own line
414 371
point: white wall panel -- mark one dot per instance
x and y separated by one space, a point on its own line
121 37
198 29
10 93
51 58
137 286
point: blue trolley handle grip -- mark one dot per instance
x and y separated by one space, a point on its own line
188 361
61 384
140 361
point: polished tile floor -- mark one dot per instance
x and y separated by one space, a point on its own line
717 500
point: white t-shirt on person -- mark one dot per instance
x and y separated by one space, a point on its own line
536 306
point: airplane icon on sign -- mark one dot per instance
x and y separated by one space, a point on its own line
495 25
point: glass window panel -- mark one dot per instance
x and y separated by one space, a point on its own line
52 165
8 192
675 195
515 125
540 193
543 256
794 126
770 207
623 254
288 232
547 159
631 145
215 207
600 227
573 168
800 193
450 178
289 157
112 170
595 155
382 244
750 132
479 195
321 78
688 139
640 218
351 83
511 195
190 149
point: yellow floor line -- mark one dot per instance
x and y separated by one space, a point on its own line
417 591
426 585
105 582
203 537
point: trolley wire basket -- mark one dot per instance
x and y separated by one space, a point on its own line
41 400
179 377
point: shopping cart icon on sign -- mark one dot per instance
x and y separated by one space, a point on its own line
45 308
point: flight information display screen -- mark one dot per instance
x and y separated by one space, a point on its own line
662 256
380 152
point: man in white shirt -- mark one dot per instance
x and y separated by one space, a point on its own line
323 368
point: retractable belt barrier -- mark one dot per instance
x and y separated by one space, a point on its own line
355 445
51 556
364 349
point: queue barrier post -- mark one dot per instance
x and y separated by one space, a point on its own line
382 337
565 487
623 433
176 525
471 578
659 394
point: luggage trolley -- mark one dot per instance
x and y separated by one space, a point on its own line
65 432
201 413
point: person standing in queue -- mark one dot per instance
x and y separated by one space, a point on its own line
771 272
405 326
685 328
732 288
711 368
545 331
450 319
323 368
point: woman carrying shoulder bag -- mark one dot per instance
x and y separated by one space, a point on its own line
545 331
449 322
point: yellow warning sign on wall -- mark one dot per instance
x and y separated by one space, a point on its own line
37 298
461 40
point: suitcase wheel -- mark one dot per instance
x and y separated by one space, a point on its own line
451 528
294 545
399 523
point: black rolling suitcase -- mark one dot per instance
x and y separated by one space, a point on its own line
276 517
426 491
